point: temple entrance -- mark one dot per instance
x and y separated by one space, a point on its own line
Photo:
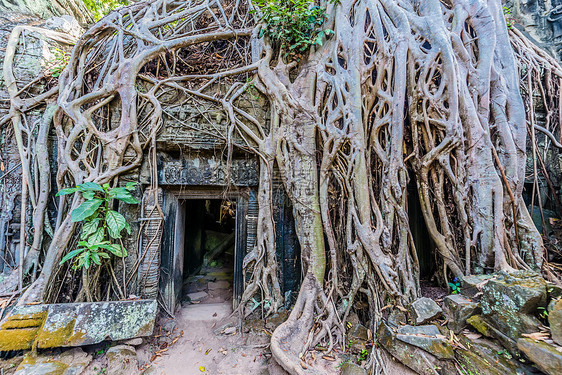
209 241
204 241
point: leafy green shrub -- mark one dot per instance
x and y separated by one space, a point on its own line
295 25
100 8
102 225
59 61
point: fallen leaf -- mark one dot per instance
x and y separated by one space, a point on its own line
538 336
202 368
208 351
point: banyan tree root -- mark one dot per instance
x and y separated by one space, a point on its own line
407 89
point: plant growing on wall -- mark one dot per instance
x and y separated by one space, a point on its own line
295 24
101 225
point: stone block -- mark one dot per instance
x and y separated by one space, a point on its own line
423 310
122 360
76 324
427 338
543 355
69 362
352 369
413 357
458 309
509 302
555 322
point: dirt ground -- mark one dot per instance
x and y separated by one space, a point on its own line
212 344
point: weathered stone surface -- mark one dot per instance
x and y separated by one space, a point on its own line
471 284
554 291
555 322
427 338
413 357
484 357
508 301
70 362
122 360
220 284
197 296
423 310
358 337
458 309
76 324
545 356
134 342
352 369
397 318
488 330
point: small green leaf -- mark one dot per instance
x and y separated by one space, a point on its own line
67 191
96 258
97 237
123 195
89 228
131 185
87 259
90 186
71 255
88 194
115 223
85 210
116 250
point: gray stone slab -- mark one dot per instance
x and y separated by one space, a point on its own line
76 324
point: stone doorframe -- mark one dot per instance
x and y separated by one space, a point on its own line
172 249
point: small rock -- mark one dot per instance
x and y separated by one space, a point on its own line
352 369
133 342
397 318
427 338
164 341
197 296
554 291
545 356
169 325
472 284
358 337
555 322
122 360
230 331
65 24
458 309
69 362
424 310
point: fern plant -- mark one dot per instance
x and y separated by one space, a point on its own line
101 225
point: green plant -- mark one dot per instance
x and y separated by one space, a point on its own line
59 61
363 355
101 225
295 25
508 19
99 8
455 286
543 313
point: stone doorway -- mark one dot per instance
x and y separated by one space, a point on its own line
209 242
204 241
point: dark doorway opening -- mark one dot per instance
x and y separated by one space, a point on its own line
425 248
209 243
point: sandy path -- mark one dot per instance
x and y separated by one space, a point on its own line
226 354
